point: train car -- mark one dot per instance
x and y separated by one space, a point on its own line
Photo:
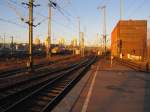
60 50
55 50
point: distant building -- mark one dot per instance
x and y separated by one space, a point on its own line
37 41
61 42
46 42
129 39
81 39
74 42
82 43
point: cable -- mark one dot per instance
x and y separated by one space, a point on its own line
14 2
46 18
102 2
16 11
11 22
137 9
107 1
63 25
42 21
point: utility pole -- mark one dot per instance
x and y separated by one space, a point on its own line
4 40
79 33
120 41
105 27
12 44
79 29
51 5
49 30
97 39
30 5
82 43
30 34
103 9
1 42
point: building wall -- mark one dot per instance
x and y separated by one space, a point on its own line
114 41
133 35
148 49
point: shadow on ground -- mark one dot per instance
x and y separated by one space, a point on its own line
147 94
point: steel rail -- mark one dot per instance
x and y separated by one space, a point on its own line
66 80
13 94
14 71
132 65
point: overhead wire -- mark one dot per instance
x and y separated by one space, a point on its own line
65 13
53 20
11 6
44 17
11 22
137 9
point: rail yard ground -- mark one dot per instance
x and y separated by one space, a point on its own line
109 88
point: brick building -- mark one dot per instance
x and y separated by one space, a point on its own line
129 39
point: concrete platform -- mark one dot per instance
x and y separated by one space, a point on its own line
109 88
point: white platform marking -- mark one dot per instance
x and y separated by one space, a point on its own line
85 105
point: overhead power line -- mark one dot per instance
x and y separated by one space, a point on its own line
11 22
137 8
11 6
56 6
104 2
14 2
45 18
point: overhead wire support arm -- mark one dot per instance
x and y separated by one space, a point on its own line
28 4
53 4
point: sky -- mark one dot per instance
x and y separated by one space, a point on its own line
65 23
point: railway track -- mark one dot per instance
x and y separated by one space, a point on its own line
133 65
25 97
14 71
9 82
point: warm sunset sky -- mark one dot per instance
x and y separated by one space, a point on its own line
66 25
